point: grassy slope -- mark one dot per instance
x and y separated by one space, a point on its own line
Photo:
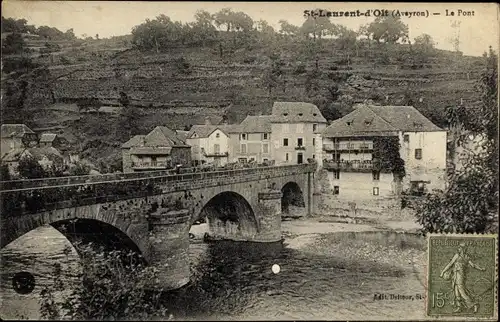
167 95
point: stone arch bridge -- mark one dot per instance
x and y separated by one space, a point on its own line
152 212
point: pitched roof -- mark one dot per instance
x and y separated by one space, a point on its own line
182 134
163 136
134 141
370 120
15 130
296 112
47 137
255 124
204 131
405 118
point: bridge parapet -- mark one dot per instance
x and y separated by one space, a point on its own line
57 193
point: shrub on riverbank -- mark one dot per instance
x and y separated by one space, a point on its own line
113 287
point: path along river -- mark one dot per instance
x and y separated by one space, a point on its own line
328 271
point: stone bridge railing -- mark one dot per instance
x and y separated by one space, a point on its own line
32 196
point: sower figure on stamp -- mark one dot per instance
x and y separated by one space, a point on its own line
457 271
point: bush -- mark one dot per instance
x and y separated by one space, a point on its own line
300 69
113 286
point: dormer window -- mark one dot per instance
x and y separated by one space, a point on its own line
417 124
300 114
314 114
368 122
285 114
217 135
349 123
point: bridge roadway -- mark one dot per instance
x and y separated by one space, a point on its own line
152 212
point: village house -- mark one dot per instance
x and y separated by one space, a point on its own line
161 149
360 161
16 136
250 141
209 143
293 128
46 157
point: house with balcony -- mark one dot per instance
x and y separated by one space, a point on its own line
250 141
293 128
378 151
209 143
160 149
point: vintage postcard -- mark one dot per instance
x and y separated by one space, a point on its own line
183 160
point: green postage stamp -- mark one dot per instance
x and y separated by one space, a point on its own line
462 276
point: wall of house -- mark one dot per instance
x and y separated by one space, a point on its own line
432 166
255 147
293 131
356 185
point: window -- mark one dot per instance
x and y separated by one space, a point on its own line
242 160
243 148
286 156
418 154
285 142
300 114
244 136
265 160
336 190
315 127
217 135
153 161
299 142
375 191
265 136
314 156
336 174
216 148
265 148
376 175
314 141
406 138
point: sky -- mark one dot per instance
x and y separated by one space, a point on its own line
109 18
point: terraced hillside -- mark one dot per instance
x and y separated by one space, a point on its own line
181 87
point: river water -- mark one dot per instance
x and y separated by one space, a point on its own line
322 276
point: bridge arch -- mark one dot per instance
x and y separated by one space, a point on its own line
86 224
229 215
292 196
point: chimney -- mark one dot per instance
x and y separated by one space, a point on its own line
207 120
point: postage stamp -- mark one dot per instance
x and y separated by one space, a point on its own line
462 276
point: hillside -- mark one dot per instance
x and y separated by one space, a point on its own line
182 85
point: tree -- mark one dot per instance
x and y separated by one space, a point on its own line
469 204
287 28
317 27
113 287
13 44
389 29
29 168
423 48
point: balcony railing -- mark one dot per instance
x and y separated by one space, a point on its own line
347 146
151 165
216 154
352 166
300 147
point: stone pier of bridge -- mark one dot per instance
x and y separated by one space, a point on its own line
169 237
